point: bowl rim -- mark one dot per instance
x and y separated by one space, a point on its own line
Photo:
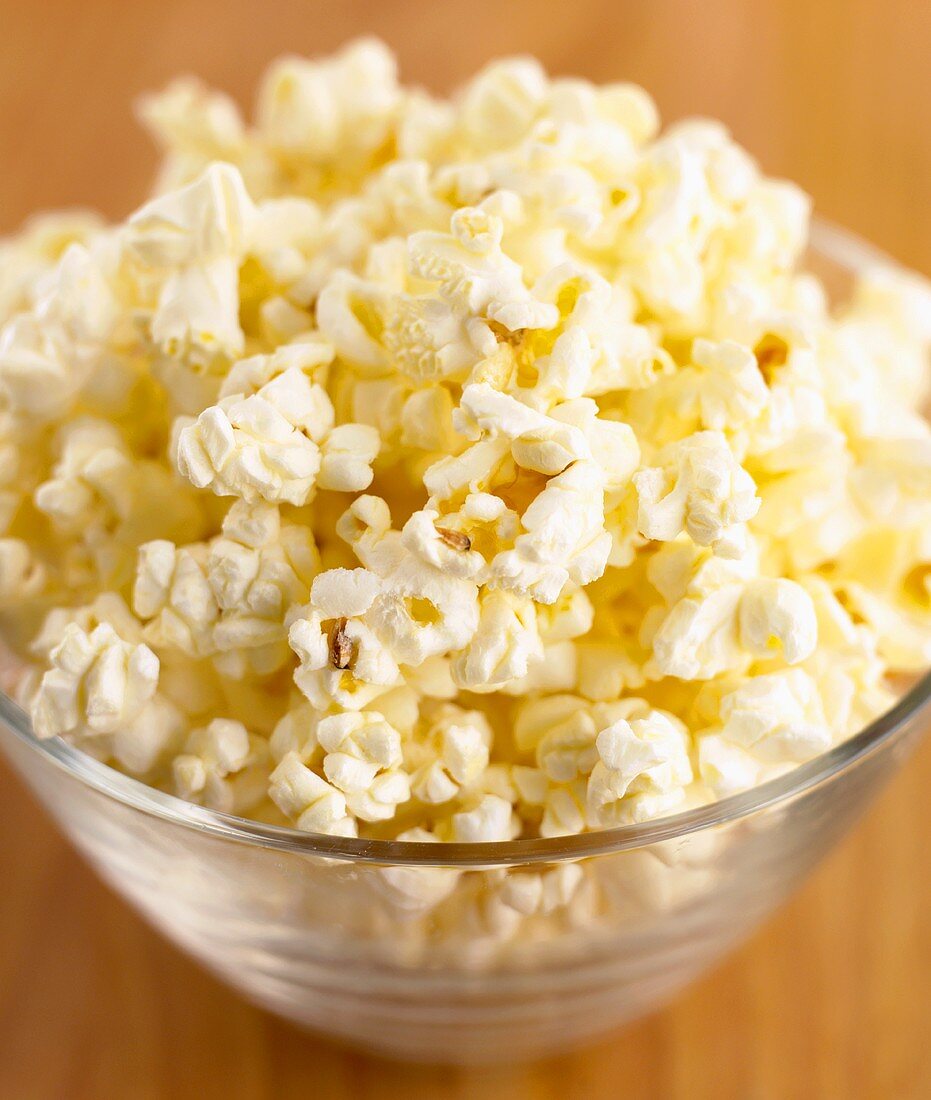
837 245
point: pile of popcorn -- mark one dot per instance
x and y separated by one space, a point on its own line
455 470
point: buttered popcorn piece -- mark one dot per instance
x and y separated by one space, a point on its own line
642 771
422 433
223 766
453 753
277 444
766 722
227 599
363 760
100 690
96 682
308 800
700 489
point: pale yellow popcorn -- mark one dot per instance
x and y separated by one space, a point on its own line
416 890
277 445
565 809
310 354
563 537
504 646
332 114
342 660
490 819
196 124
101 690
306 798
642 770
191 241
228 599
730 389
22 576
521 407
721 616
98 492
700 489
363 760
97 682
474 274
27 257
224 767
770 720
452 754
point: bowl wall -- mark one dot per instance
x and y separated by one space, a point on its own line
452 965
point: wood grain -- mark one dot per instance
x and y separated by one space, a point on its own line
833 998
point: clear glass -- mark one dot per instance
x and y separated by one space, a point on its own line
468 953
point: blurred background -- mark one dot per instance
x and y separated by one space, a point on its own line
833 997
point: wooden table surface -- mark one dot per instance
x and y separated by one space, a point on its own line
833 997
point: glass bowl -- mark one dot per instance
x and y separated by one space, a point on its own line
468 952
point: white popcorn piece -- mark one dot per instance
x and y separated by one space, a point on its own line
722 617
311 355
27 258
205 220
22 575
452 754
426 339
97 683
699 489
228 599
474 274
415 891
100 691
276 445
778 616
490 819
642 770
563 540
363 760
769 720
192 241
224 767
306 798
342 660
335 112
565 810
505 645
194 122
731 390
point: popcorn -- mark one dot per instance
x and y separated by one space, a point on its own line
21 575
777 615
563 540
424 434
227 599
769 720
722 617
97 682
642 771
699 489
99 686
342 659
307 799
224 767
191 240
276 445
504 647
453 754
490 819
363 758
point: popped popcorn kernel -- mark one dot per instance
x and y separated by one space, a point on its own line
474 468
